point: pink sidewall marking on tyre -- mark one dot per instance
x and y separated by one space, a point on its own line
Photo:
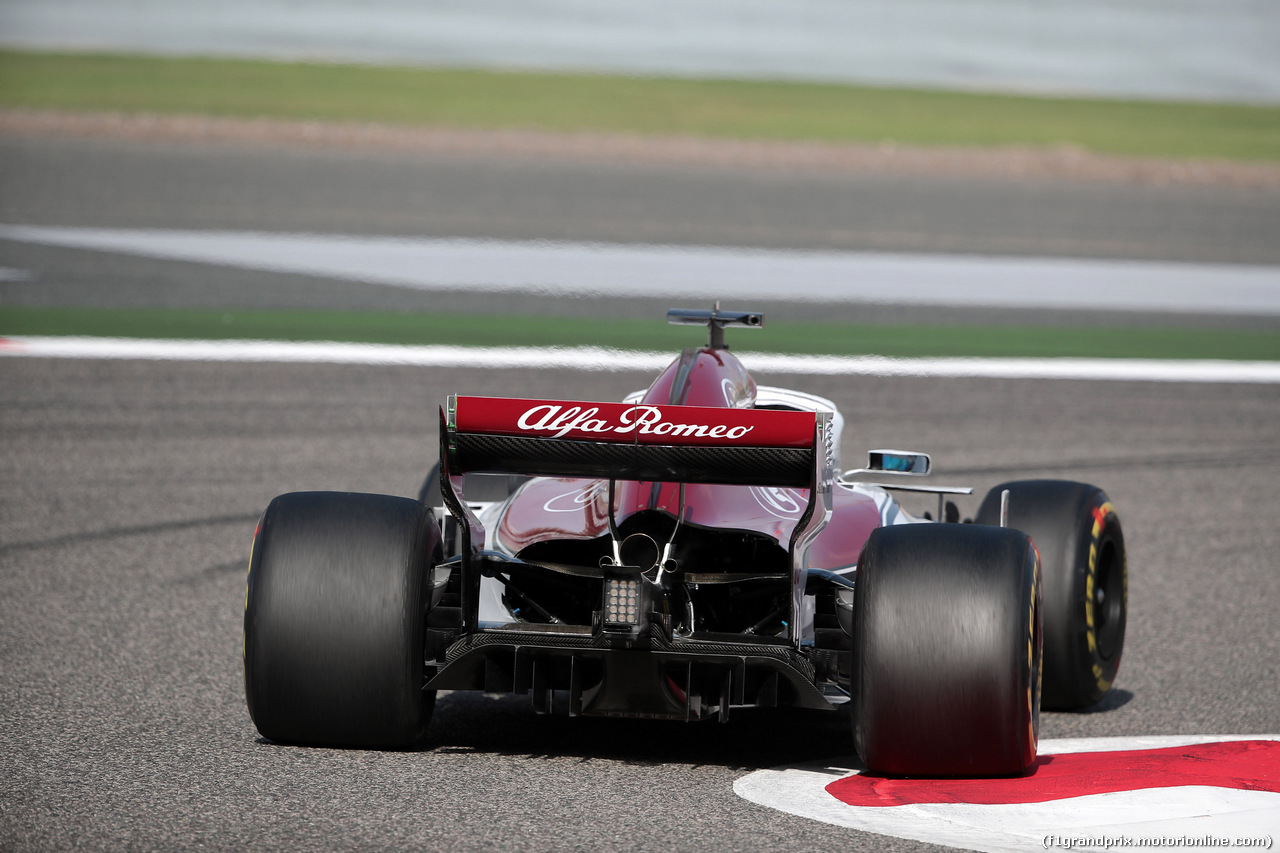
1196 788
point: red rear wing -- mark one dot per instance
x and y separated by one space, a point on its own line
632 442
621 441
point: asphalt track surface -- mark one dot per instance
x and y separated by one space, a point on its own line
132 488
115 184
130 491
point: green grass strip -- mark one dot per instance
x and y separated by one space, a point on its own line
644 334
651 106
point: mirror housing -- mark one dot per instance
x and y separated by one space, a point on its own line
899 462
902 462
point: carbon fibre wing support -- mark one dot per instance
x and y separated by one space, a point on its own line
630 441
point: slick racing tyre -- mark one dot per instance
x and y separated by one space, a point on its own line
335 618
946 651
1082 554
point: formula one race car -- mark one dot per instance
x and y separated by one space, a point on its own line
682 553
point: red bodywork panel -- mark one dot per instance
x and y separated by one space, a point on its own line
704 377
576 509
712 389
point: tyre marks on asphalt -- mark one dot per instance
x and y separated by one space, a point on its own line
120 532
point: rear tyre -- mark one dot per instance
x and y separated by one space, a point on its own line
946 651
335 619
1081 544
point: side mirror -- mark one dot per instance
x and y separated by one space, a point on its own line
899 462
894 462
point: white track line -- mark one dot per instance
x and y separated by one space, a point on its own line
702 273
611 360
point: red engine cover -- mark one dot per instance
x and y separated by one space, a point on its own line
553 508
